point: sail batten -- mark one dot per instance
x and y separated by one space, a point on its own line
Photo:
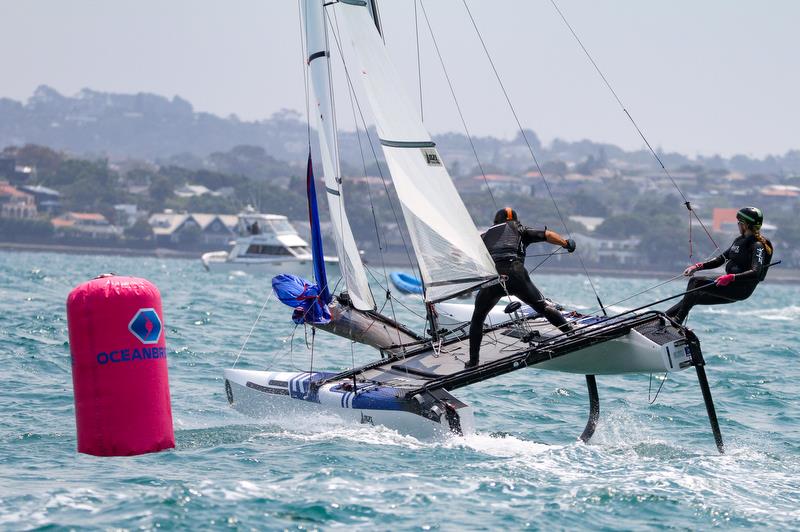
350 263
451 256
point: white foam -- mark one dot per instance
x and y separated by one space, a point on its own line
790 313
506 446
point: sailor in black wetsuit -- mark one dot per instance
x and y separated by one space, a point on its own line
506 242
746 263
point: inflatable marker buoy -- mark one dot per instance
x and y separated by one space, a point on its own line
119 367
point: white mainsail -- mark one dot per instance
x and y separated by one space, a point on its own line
350 263
452 258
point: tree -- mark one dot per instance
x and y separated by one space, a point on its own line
621 226
45 160
585 204
141 230
161 189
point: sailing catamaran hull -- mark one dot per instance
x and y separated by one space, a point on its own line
281 395
410 390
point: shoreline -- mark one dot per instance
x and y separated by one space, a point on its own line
777 275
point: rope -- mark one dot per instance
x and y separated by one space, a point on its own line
252 328
313 337
547 256
458 106
650 387
530 149
371 204
638 130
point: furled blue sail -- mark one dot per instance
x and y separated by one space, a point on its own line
309 300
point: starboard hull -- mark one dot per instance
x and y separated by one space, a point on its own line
275 395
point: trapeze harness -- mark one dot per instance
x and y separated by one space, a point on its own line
506 243
747 258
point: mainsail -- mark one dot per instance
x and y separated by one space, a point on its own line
452 258
352 267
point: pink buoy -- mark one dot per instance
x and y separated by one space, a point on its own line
119 367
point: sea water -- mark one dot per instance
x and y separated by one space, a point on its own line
648 466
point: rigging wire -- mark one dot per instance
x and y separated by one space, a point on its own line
353 102
411 262
686 201
615 303
388 293
546 256
530 149
304 54
399 302
313 338
338 168
455 100
419 63
252 328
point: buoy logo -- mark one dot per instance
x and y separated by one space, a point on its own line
146 326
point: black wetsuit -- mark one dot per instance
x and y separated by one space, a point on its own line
506 243
746 258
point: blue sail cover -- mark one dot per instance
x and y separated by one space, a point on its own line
304 297
316 235
310 301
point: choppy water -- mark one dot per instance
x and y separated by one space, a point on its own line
647 467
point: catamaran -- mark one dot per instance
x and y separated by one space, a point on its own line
410 387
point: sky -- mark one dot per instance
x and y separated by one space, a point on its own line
710 77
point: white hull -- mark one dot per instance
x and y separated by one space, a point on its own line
631 353
251 393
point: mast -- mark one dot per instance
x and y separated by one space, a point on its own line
376 16
318 61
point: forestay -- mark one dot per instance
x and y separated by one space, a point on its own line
318 55
451 255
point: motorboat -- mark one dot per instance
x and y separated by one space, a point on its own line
267 243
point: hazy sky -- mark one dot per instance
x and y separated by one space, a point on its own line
710 76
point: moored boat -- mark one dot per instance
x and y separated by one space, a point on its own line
267 244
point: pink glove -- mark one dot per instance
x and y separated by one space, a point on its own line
693 268
725 280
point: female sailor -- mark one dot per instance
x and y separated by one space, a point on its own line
746 263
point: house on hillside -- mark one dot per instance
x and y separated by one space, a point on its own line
7 166
608 252
15 203
172 228
724 222
47 199
189 191
781 191
499 183
127 214
217 229
89 224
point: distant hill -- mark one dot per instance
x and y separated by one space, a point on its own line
152 127
138 126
